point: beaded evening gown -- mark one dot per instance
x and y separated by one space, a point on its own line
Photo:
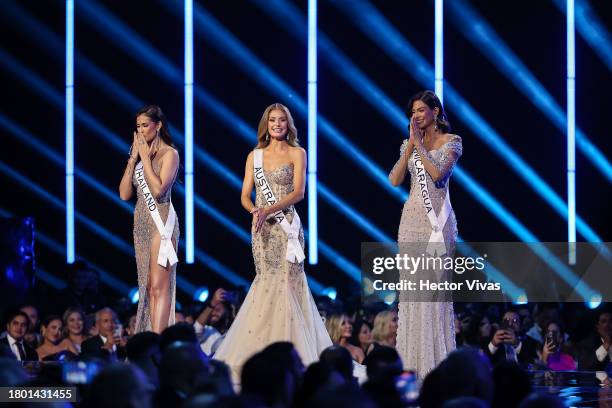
279 305
144 228
426 330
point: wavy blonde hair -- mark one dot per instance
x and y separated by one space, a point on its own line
380 332
333 324
66 316
263 138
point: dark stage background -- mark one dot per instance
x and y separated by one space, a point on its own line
32 72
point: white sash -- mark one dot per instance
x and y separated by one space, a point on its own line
437 222
295 254
166 249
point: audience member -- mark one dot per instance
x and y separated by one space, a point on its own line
555 355
143 350
182 365
382 360
593 353
32 337
51 348
362 336
339 359
267 382
284 354
318 376
464 373
108 345
506 343
343 395
17 327
74 328
340 331
182 332
119 385
384 332
214 321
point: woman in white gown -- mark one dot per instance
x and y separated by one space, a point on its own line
426 333
279 305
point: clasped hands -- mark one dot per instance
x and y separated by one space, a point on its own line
416 134
141 148
260 214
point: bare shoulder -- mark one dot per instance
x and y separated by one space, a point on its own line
297 153
169 154
250 156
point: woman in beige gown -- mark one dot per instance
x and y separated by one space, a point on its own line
160 162
426 333
279 305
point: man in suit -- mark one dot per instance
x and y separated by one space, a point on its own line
593 353
108 344
507 344
16 328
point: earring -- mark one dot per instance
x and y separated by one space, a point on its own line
436 122
267 136
157 134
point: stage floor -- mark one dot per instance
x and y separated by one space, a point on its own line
576 388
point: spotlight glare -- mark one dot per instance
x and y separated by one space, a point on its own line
330 293
201 295
594 301
134 295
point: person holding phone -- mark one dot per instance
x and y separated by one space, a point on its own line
507 344
554 355
426 333
279 305
108 344
152 169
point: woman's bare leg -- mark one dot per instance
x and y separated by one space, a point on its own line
159 289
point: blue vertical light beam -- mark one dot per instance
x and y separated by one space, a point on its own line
571 132
189 221
439 49
313 255
372 23
70 131
592 29
491 45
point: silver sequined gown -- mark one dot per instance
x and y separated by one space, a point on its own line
426 330
144 228
279 305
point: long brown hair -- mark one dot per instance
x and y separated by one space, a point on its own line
155 113
263 138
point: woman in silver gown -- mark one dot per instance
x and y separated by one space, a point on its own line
426 332
279 305
152 147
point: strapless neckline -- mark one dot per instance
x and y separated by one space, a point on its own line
278 168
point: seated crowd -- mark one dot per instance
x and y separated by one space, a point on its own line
496 350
